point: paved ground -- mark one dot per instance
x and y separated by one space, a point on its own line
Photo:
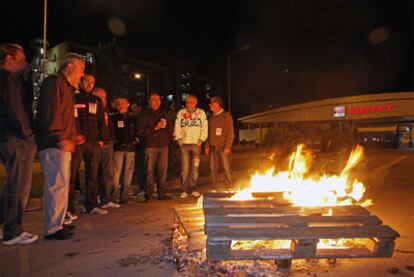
132 240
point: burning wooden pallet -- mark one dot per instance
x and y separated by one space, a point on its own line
229 221
190 220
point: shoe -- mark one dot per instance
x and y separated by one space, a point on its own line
110 205
67 221
71 216
23 238
195 194
62 234
97 210
184 195
165 197
69 227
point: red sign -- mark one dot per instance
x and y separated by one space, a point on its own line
371 109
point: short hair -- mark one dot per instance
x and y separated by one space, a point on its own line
9 49
192 96
98 89
69 58
217 99
154 93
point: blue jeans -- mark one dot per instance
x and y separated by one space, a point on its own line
156 159
124 163
56 172
17 156
190 163
216 154
106 174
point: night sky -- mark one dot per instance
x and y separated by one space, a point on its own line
300 50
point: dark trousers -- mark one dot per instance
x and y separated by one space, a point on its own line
156 159
217 156
106 174
17 156
140 167
90 152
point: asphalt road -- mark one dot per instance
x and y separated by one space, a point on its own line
133 240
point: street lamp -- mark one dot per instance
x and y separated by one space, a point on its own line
244 48
139 76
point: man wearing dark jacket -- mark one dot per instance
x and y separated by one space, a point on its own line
155 132
17 145
106 165
55 134
91 134
124 148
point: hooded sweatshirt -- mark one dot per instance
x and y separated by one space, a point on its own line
191 127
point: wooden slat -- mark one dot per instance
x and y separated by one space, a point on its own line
221 234
224 202
263 254
288 210
215 221
359 252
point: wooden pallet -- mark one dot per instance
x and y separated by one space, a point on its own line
227 221
190 220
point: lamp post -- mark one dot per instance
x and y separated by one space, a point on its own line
244 48
139 76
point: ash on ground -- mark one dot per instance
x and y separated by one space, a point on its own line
194 263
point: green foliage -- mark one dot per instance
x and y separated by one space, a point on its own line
109 68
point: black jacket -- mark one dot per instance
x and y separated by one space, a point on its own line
15 107
146 129
125 132
55 119
90 118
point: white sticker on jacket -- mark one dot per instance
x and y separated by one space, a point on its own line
120 123
219 131
92 108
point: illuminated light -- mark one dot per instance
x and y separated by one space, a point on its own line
137 76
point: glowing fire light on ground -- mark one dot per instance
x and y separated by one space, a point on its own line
302 189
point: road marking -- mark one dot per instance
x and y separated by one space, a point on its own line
386 165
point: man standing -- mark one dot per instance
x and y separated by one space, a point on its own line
91 134
56 134
124 148
106 163
17 144
136 111
155 132
191 129
220 141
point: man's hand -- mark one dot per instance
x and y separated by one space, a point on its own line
226 151
101 143
80 139
66 146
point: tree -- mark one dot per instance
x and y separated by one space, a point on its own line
109 68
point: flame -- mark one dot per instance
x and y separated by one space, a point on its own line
301 189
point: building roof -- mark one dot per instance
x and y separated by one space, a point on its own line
360 107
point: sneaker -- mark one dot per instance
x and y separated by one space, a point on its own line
98 211
23 238
165 197
71 216
67 221
110 205
195 194
62 234
184 195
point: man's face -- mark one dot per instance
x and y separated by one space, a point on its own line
136 109
87 83
122 105
18 62
77 71
214 107
102 95
155 102
191 103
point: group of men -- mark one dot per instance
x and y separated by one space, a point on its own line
73 122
